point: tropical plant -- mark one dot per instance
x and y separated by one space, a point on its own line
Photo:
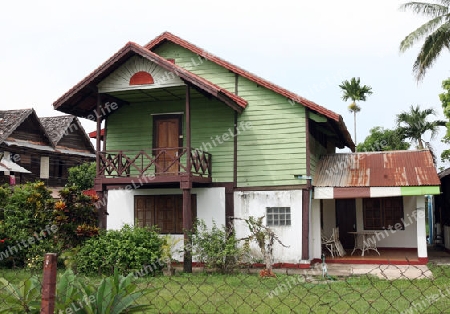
82 176
381 139
445 101
265 237
21 298
355 92
113 295
413 124
435 33
76 216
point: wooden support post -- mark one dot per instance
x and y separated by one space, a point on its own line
186 186
187 122
49 284
98 136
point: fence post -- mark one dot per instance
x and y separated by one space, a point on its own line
49 284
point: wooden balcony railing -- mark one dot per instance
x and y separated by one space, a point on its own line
162 161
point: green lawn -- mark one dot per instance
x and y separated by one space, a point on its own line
248 293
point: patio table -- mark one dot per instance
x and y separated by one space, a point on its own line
363 243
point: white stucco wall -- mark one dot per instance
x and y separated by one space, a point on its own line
210 204
210 207
254 203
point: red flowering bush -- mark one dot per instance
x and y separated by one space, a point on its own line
76 216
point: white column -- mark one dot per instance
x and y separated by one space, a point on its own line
421 229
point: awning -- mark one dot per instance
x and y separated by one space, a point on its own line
8 165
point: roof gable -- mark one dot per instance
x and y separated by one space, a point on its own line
377 169
82 98
23 126
122 77
67 132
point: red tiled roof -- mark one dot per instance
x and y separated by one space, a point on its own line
93 134
377 169
258 80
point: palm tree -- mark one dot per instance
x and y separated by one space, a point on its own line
354 91
414 124
436 33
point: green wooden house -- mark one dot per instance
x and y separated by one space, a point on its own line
188 135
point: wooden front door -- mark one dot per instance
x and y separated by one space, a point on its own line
165 211
346 221
166 143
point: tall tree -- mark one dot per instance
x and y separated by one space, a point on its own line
381 139
435 32
413 124
445 100
355 92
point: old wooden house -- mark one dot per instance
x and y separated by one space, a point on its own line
42 148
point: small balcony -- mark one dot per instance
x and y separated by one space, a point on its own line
160 165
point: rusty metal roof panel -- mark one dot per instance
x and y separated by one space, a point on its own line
377 169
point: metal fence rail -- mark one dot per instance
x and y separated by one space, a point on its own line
339 289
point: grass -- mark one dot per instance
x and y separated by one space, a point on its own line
248 293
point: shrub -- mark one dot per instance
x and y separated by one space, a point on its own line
76 217
128 249
216 248
82 176
28 212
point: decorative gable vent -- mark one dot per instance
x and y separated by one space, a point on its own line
141 78
138 73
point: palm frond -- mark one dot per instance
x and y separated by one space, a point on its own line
430 51
413 124
420 33
426 9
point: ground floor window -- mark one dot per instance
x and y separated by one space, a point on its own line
164 211
278 216
383 213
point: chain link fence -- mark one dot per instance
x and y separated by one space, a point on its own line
335 289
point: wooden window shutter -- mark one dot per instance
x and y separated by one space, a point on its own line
45 167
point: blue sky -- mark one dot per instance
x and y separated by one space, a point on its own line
308 48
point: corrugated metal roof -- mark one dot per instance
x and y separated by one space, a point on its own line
377 169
